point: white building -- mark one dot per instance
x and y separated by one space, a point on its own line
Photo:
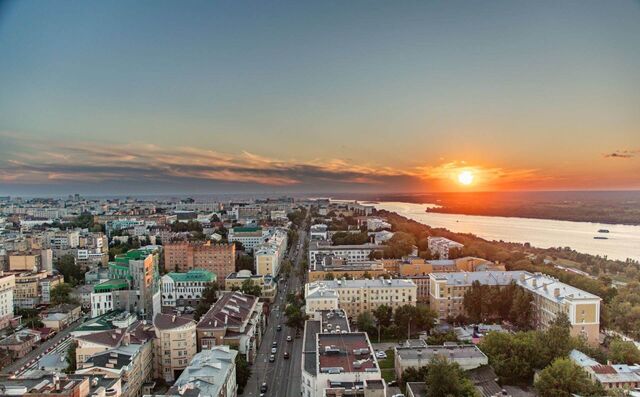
374 224
441 246
7 286
185 289
351 253
249 237
318 232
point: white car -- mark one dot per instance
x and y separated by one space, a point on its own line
381 354
289 339
274 350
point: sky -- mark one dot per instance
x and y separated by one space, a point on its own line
329 96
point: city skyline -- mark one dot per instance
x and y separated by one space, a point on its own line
159 98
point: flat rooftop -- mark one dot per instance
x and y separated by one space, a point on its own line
335 318
339 353
451 352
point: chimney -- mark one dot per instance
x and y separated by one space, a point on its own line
556 292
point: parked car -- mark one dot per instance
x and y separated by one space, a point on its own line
381 354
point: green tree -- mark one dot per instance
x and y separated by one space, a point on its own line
441 338
556 340
413 319
71 359
72 273
61 293
244 262
250 288
401 244
446 379
623 352
365 323
413 374
383 315
329 276
209 297
563 378
243 372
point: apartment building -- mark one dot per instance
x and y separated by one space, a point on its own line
334 267
270 254
610 376
318 232
374 224
183 256
235 319
175 344
211 373
28 261
268 285
140 268
185 289
248 236
7 287
27 290
358 296
466 356
351 253
550 297
441 246
339 364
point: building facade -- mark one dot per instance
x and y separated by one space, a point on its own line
183 256
185 289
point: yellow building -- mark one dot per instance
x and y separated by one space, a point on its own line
26 293
175 344
550 297
358 296
19 262
269 287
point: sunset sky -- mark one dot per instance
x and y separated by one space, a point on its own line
329 96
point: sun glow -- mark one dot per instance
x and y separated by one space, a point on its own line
465 177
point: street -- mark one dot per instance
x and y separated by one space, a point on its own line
283 376
59 342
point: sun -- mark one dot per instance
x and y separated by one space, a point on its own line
465 177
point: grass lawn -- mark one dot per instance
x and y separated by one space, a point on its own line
386 366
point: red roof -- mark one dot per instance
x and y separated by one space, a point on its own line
345 350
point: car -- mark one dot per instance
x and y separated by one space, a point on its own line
289 338
286 355
398 395
272 358
392 383
279 328
274 344
263 387
274 350
381 354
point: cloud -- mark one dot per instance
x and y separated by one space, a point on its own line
623 154
32 161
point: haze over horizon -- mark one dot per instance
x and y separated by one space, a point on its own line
159 97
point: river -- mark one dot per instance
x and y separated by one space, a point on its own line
623 240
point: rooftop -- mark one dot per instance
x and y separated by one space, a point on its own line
206 373
111 285
167 321
232 310
338 353
451 352
193 275
365 283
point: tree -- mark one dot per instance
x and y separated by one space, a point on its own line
383 315
623 352
209 297
563 378
441 338
401 244
71 358
365 323
250 288
244 262
414 374
61 293
556 340
413 319
71 272
243 372
446 379
329 276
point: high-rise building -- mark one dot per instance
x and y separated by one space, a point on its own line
183 256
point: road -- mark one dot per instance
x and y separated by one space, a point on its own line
57 342
282 377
